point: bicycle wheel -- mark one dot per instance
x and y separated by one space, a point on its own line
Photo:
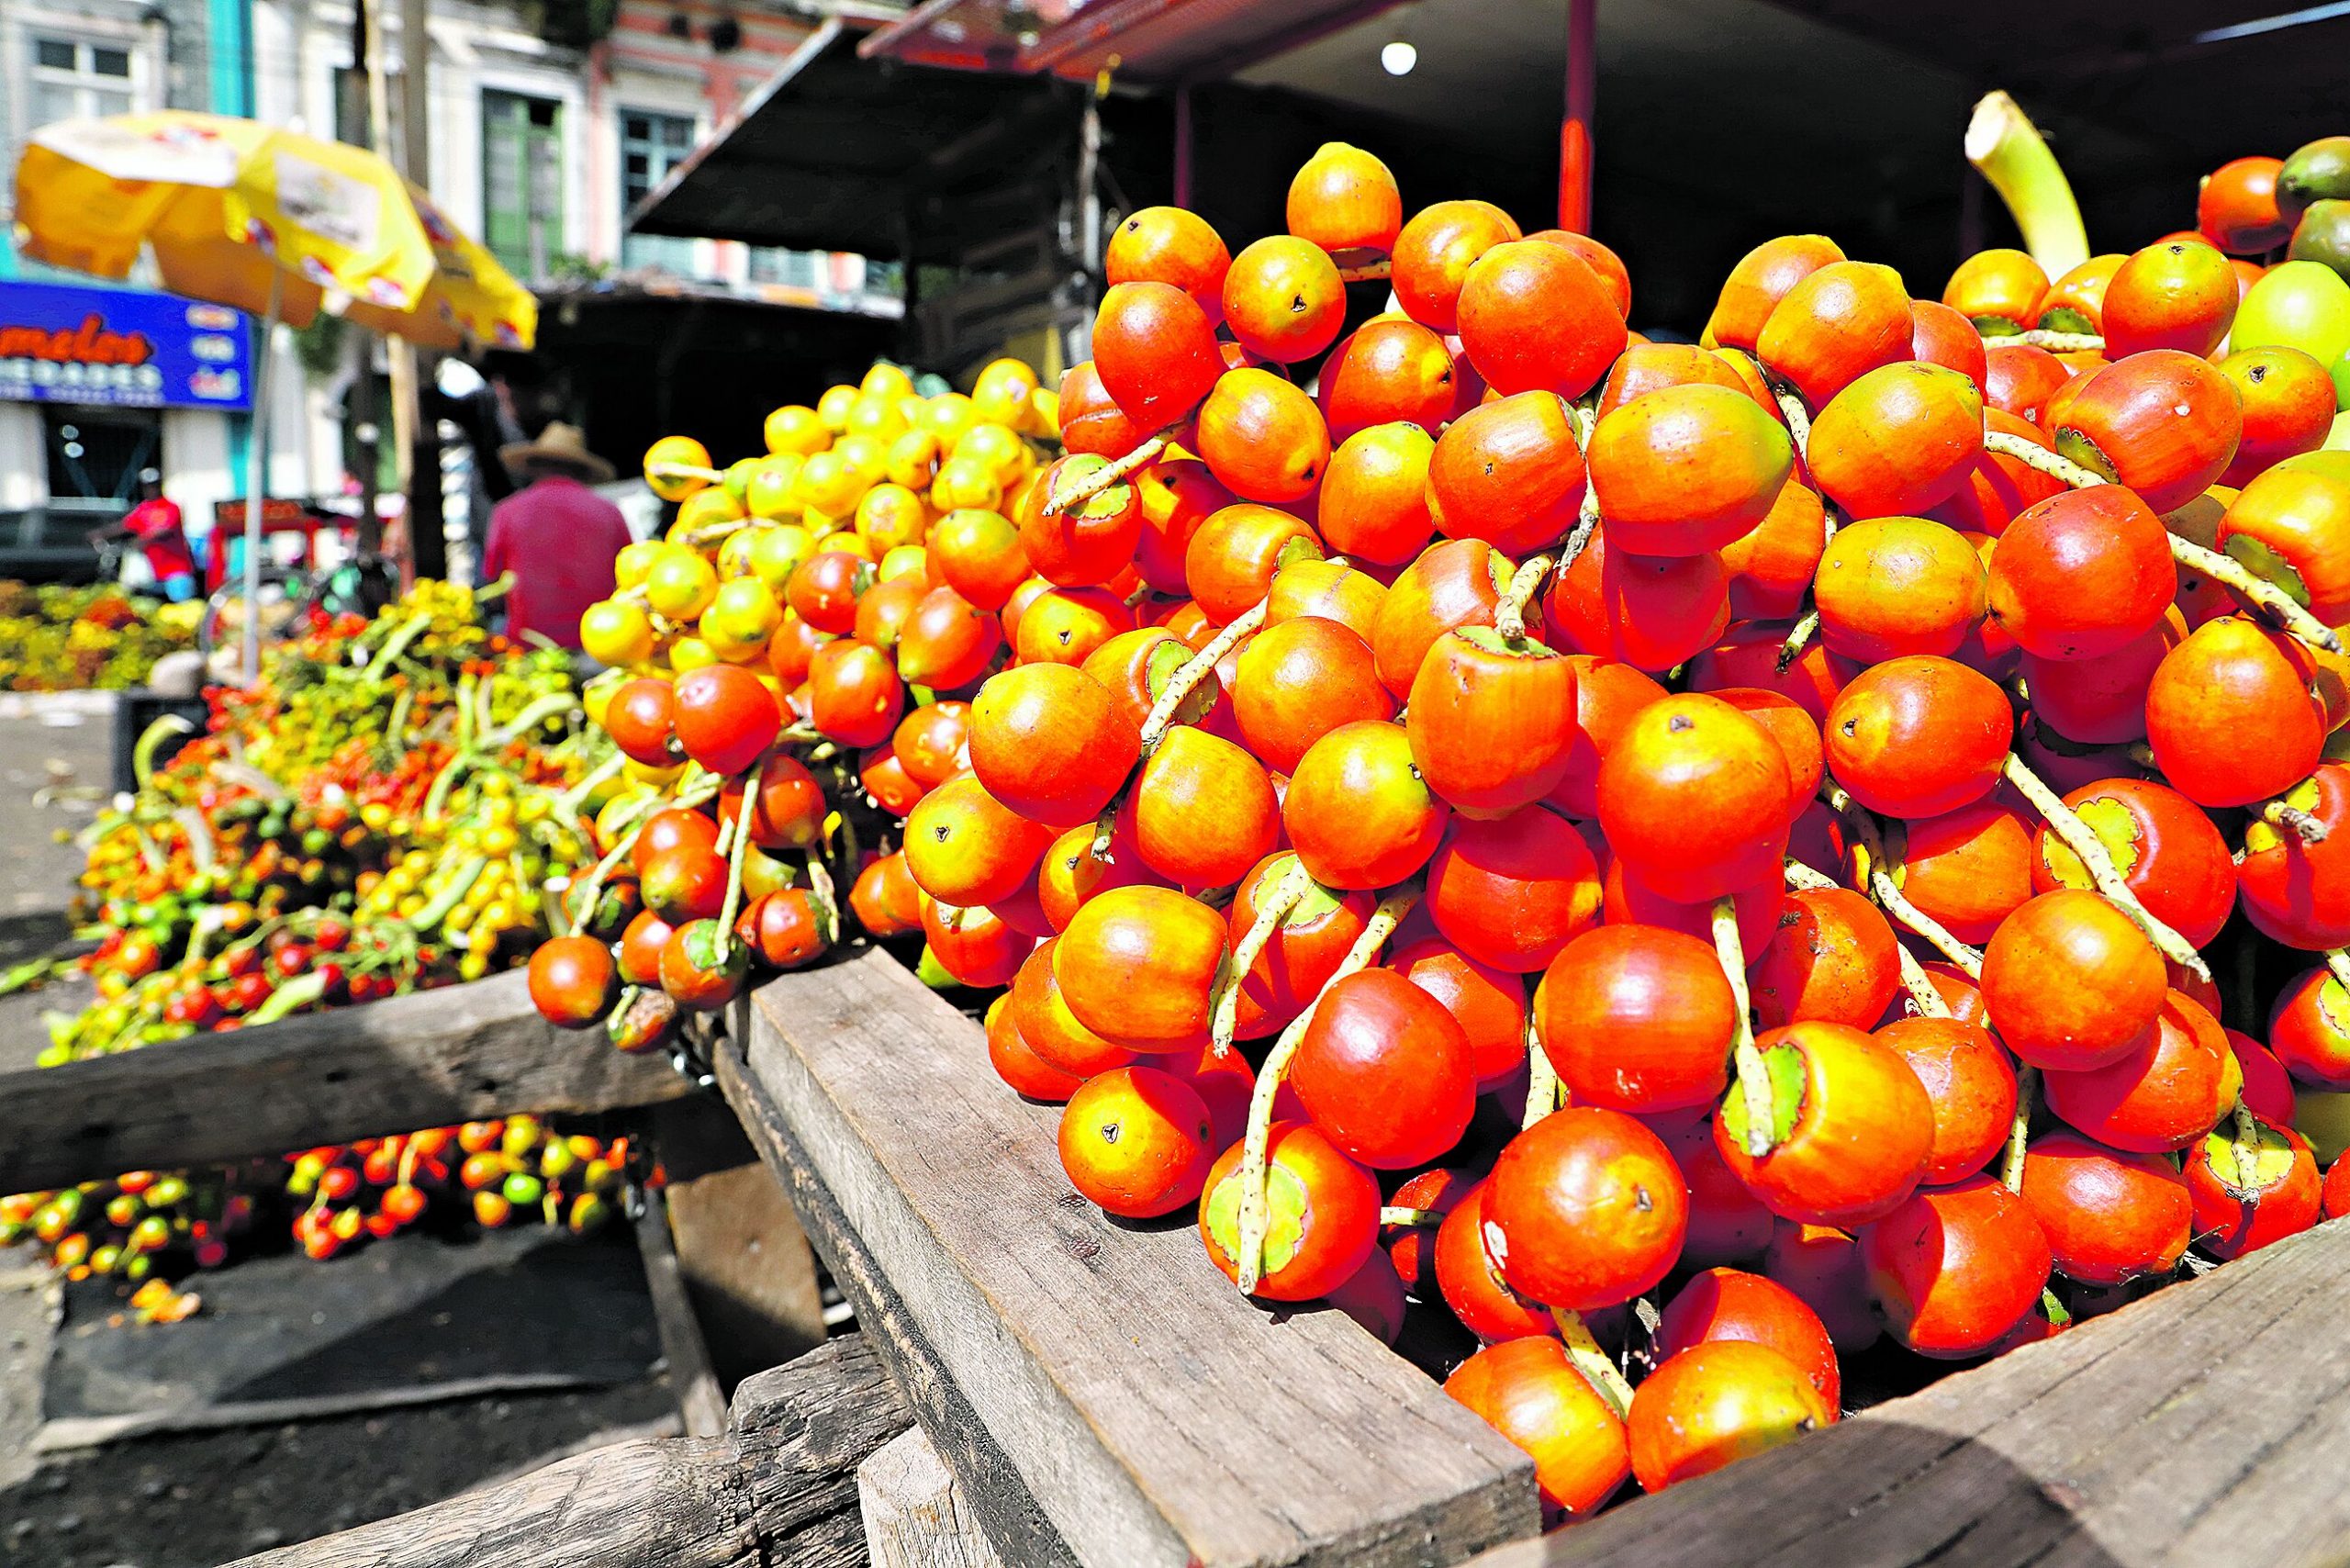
361 585
280 610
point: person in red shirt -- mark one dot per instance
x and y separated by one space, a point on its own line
157 524
557 537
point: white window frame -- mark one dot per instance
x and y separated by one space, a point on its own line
83 34
20 27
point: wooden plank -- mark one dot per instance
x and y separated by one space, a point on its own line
699 1401
1153 1414
2195 1425
998 1494
778 1490
428 1060
747 1266
916 1513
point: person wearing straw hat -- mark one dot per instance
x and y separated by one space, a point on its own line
556 537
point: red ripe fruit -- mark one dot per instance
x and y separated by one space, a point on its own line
1534 317
2070 984
1955 1267
1716 1403
1695 798
1155 351
2083 573
1728 1303
1511 891
1385 1071
1851 1145
1051 743
1488 1004
1589 1209
1492 720
1830 958
2248 1197
641 722
1971 1083
2109 1217
1388 370
1529 1391
1638 1018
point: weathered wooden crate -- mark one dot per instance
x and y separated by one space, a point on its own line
1103 1396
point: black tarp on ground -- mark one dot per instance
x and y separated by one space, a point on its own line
398 1322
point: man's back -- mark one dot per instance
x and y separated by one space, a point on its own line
559 539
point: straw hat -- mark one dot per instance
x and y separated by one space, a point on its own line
562 445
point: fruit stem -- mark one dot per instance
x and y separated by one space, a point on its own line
1541 1077
734 864
2337 960
593 887
1800 637
2247 1149
1877 874
1368 272
950 918
2026 1092
2082 841
825 896
1791 409
1753 1078
1249 1264
567 804
2031 455
1801 876
1419 1219
1510 615
1587 525
1079 491
2006 147
1224 1007
718 533
1105 828
1590 1361
1186 679
2234 575
2057 342
2293 820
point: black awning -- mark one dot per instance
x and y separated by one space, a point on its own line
839 153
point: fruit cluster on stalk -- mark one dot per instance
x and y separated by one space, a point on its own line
1682 859
378 816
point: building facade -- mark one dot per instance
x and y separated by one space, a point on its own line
539 144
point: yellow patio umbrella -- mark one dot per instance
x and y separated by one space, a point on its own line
271 221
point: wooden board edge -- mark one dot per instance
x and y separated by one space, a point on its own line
700 1403
70 1432
66 1147
1005 1508
1497 1507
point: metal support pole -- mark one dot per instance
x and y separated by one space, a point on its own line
1183 133
257 478
1088 187
1575 130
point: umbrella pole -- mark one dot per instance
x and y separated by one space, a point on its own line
256 477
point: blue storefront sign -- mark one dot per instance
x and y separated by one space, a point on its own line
59 343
